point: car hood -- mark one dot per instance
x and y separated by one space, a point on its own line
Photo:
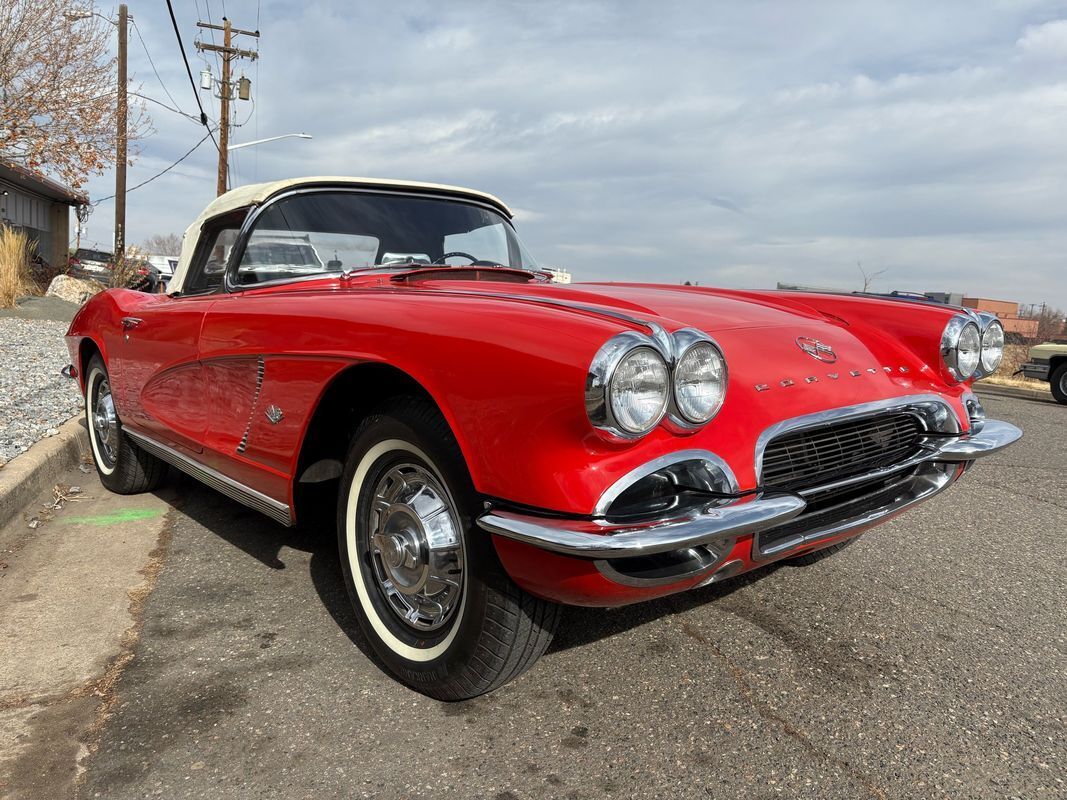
766 337
673 307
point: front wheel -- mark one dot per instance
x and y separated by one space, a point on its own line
123 466
427 587
1058 383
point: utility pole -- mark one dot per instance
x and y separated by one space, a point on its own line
225 89
120 142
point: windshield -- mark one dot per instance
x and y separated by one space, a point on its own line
325 232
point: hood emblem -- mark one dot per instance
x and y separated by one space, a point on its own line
274 414
816 349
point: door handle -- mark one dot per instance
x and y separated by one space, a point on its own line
131 322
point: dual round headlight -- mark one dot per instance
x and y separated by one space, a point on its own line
638 390
969 350
636 380
992 347
699 383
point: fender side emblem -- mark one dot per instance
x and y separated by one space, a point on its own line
274 414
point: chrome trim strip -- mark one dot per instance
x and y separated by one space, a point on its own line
571 537
656 464
279 512
261 368
920 487
934 410
931 447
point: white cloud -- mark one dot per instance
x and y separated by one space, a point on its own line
925 138
1048 40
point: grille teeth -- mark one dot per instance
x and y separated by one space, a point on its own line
817 456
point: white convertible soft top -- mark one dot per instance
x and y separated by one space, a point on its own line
255 193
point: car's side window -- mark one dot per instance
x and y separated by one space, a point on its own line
208 267
304 235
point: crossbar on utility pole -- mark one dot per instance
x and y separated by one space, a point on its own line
120 141
228 53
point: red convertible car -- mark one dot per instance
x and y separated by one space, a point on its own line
499 444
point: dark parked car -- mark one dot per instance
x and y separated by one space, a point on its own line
92 264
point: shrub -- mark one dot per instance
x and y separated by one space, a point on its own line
127 272
15 278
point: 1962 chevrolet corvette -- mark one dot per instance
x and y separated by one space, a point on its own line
499 444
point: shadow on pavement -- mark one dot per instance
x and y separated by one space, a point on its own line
264 540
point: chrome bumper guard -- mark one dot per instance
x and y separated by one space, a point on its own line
752 513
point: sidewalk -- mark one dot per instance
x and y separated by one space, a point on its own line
71 591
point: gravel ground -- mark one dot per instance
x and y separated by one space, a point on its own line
34 398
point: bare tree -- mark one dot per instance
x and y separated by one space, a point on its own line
163 244
1050 323
868 278
57 89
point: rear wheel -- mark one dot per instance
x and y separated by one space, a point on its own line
123 466
1058 382
427 587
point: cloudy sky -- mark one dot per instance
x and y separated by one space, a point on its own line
735 144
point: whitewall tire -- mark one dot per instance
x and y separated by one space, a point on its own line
427 587
123 466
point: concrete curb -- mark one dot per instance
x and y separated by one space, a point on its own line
27 475
1014 391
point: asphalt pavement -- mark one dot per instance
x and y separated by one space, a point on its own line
927 660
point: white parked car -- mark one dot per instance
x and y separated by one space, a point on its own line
165 266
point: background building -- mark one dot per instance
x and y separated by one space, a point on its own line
40 207
1008 314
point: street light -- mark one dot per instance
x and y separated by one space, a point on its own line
270 139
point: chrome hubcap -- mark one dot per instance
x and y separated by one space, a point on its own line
415 546
105 422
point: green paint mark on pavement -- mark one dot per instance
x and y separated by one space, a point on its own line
115 518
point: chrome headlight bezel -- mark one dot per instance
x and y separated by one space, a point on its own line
602 371
684 341
988 323
950 342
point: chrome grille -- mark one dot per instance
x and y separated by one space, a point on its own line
817 456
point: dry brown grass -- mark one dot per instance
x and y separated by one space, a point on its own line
1014 356
15 277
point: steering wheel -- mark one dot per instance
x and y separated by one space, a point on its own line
453 254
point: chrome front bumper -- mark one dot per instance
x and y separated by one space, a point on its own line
1033 369
747 514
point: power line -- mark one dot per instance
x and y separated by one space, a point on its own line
159 78
196 92
161 172
164 105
